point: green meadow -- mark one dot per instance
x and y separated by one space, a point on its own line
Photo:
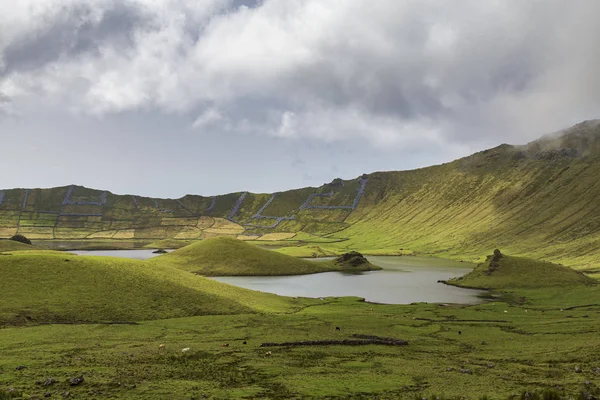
106 319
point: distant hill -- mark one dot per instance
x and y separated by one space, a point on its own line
50 288
227 256
539 200
507 272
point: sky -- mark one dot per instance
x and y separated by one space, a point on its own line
168 97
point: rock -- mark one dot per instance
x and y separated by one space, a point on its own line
76 381
66 394
449 369
596 371
20 368
49 382
577 370
490 365
160 251
352 259
465 371
47 394
483 343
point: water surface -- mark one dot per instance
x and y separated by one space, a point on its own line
403 280
135 254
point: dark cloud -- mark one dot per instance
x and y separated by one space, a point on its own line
76 31
247 3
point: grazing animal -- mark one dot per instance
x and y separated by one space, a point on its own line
225 345
337 328
459 332
185 350
268 354
162 346
245 342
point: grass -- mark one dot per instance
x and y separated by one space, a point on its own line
531 341
516 352
50 287
228 256
517 272
12 245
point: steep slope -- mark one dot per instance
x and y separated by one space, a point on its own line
227 256
506 272
68 288
539 200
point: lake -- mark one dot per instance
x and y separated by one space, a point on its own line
403 280
141 254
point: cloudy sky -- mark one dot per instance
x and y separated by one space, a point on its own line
167 97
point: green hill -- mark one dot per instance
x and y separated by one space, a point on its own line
506 272
11 245
67 288
539 200
225 256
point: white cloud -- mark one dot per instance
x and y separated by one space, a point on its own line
208 118
391 72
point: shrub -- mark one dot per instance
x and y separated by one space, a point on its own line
20 238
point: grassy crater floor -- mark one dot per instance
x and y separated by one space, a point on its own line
527 338
494 349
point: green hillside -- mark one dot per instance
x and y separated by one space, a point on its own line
11 245
225 256
538 200
500 271
67 288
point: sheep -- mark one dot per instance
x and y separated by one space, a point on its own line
225 345
162 347
268 354
185 350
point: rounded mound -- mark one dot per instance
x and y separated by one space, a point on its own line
225 256
506 272
12 245
50 288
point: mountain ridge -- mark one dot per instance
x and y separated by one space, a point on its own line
536 200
